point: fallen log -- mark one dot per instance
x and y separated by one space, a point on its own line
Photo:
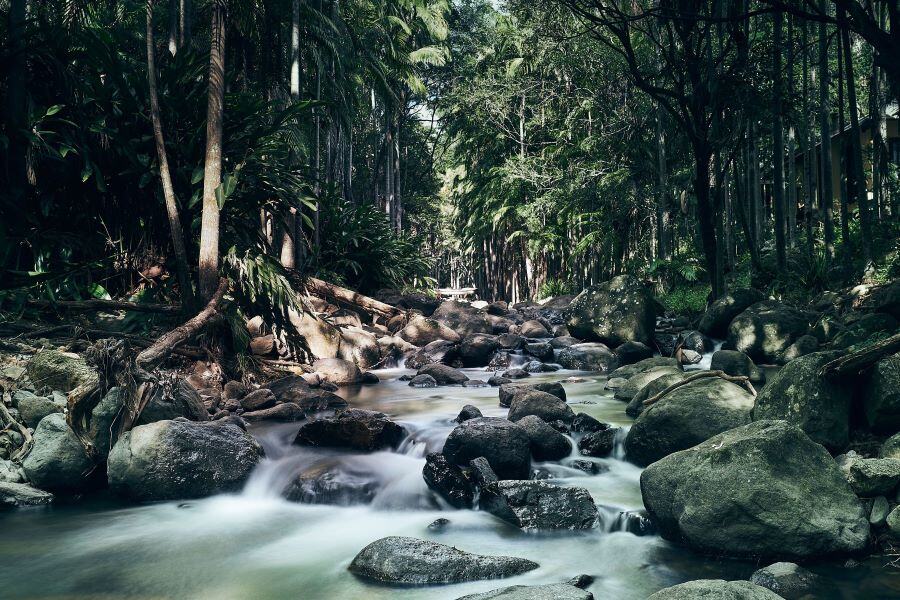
738 379
861 360
324 289
99 304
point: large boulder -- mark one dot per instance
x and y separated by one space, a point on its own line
799 395
534 329
360 347
477 349
34 408
422 331
881 396
636 404
354 429
764 490
168 460
715 589
599 443
766 329
322 338
57 461
737 364
448 480
59 371
687 416
504 444
463 318
720 313
632 352
637 382
443 374
541 404
177 399
550 591
338 371
103 418
546 442
398 560
591 356
509 390
614 312
536 505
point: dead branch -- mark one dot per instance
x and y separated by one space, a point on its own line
99 305
861 360
372 306
26 446
737 379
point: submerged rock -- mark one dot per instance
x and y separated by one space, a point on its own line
552 591
715 589
762 490
787 579
685 417
19 495
613 312
443 374
535 505
599 443
504 444
168 460
57 461
323 485
411 561
354 429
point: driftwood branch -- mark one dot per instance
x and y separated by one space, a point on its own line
861 360
26 435
98 305
324 289
737 379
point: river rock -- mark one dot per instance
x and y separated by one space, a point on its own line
443 374
685 417
766 329
632 352
540 350
721 312
464 318
881 396
536 505
614 312
421 331
323 484
892 522
546 406
879 512
352 428
176 399
787 579
891 447
59 371
57 461
551 591
599 443
737 364
103 417
510 341
564 341
286 412
508 391
399 560
819 406
258 400
10 472
715 589
322 338
588 357
534 329
628 371
546 442
871 477
637 382
338 371
296 390
585 423
762 490
468 412
422 381
34 408
19 495
636 404
448 480
168 460
477 349
504 444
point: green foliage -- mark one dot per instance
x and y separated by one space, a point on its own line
365 253
555 287
689 300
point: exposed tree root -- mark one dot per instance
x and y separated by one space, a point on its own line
738 379
26 435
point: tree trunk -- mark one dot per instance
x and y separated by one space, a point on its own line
16 108
806 132
181 261
184 23
859 187
173 26
706 215
778 142
845 171
826 189
288 246
662 215
212 176
791 187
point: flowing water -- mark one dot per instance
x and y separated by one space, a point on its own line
257 545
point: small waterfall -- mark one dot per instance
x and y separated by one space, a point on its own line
619 443
613 519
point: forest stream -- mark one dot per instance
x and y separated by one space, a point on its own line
255 544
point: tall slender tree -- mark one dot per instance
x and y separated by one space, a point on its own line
826 187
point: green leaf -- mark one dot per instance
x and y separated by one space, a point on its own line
197 175
53 110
